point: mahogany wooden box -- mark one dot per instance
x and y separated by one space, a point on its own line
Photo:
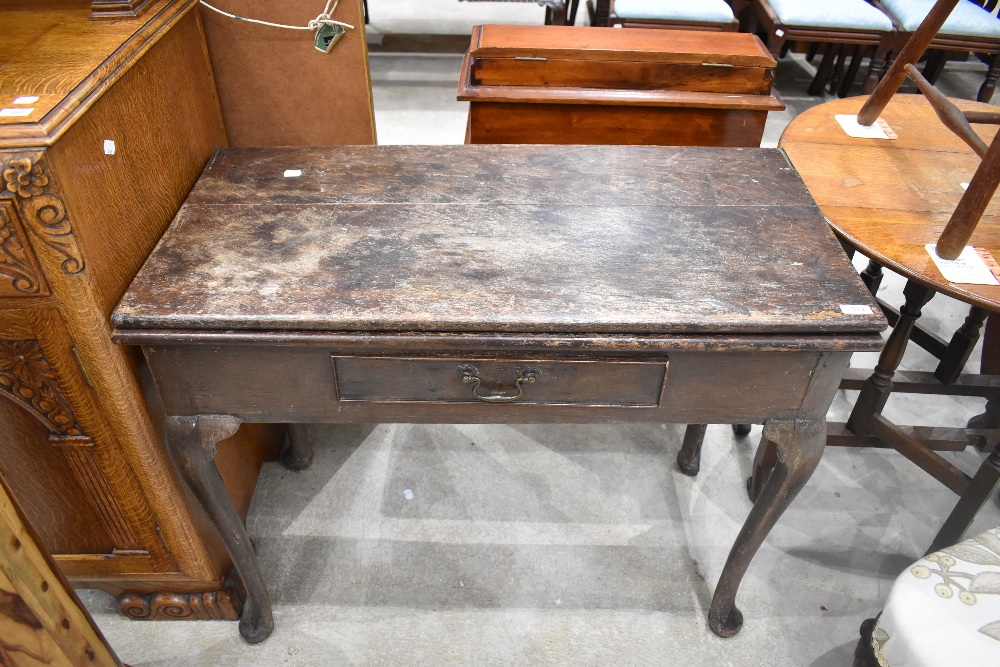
568 85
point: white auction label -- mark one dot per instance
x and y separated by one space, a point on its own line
26 111
850 309
968 269
293 173
26 99
109 147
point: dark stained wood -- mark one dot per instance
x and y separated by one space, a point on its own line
543 84
399 280
489 240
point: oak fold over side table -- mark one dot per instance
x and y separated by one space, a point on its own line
498 284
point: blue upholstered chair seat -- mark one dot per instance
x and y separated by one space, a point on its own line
846 14
966 20
708 11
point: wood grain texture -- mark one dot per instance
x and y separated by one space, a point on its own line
511 123
42 622
69 80
112 507
638 45
277 89
889 199
530 84
487 238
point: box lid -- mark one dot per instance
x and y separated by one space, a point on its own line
617 44
525 239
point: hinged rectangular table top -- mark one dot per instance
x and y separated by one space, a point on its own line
532 239
611 44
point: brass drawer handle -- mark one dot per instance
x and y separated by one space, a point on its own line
470 375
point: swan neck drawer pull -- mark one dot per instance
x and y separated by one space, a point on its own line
470 375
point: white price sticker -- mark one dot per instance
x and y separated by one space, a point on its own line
849 309
26 111
293 173
109 147
26 99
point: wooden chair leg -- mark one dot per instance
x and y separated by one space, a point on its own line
825 70
980 488
960 348
877 68
990 84
852 71
936 60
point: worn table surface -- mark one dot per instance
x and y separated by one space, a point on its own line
499 238
889 198
483 284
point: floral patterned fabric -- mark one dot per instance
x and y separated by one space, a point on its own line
945 609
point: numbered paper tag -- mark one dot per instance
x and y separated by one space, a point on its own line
877 130
968 269
24 111
848 309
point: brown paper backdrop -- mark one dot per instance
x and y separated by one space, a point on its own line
276 89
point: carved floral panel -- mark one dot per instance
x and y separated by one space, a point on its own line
28 380
19 272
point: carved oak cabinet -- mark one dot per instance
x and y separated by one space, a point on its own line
104 127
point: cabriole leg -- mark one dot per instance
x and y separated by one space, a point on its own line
800 445
192 444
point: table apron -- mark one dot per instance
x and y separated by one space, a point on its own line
301 384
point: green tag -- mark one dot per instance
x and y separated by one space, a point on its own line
327 36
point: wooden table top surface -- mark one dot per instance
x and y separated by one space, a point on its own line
528 239
889 198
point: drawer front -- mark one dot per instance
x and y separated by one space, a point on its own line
522 381
622 75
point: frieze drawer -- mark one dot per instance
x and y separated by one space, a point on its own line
475 380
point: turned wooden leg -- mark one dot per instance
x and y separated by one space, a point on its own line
800 445
876 389
875 70
990 84
872 276
689 458
960 348
297 453
192 441
980 488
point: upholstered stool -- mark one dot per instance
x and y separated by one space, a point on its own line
968 28
943 610
851 22
683 14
